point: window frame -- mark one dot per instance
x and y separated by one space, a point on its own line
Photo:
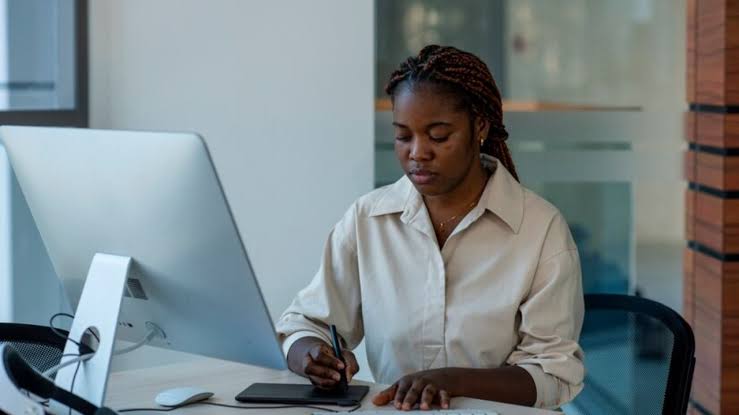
79 116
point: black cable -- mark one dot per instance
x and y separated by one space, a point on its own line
56 330
238 407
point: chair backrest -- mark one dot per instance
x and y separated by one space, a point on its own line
639 357
37 345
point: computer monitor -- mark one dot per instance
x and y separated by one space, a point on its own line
153 197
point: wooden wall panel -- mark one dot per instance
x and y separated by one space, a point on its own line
707 372
689 124
709 209
711 165
689 165
708 295
730 290
715 210
708 330
690 214
688 285
731 129
732 52
712 221
717 238
716 171
717 130
730 365
710 43
690 64
709 129
730 338
712 52
712 291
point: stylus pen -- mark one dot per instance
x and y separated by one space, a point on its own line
337 351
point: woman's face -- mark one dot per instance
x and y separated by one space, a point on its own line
435 141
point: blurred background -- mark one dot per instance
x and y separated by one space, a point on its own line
593 101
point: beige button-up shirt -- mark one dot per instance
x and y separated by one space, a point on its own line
505 289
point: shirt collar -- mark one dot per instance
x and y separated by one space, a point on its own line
503 196
395 198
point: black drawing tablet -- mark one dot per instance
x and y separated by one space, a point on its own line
301 394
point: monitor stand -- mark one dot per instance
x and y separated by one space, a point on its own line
98 309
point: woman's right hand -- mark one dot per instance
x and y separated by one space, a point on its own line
314 359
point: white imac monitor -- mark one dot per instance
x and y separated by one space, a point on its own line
140 220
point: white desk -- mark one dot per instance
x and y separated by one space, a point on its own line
137 388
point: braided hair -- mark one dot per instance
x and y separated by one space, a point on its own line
466 76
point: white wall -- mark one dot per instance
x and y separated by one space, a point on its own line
282 91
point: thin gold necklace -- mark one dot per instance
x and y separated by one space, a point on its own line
466 211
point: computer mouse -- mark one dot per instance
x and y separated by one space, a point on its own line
182 396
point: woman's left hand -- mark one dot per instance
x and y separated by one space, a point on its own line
424 388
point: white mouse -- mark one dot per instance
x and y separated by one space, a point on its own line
182 396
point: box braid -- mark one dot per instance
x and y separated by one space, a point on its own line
466 76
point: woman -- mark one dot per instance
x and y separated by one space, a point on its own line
461 281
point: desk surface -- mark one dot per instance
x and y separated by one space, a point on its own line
137 388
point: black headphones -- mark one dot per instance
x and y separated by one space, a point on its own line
27 378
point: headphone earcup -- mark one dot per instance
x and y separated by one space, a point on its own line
27 378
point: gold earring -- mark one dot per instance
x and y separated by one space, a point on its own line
482 140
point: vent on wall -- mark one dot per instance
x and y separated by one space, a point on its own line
134 289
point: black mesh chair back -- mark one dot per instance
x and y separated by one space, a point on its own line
639 357
38 345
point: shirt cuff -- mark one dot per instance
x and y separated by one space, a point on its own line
291 339
547 387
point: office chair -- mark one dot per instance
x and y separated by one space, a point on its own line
639 357
39 346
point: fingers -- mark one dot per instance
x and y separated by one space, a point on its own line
384 397
444 398
352 367
322 372
413 394
318 374
325 357
313 368
409 391
322 383
428 396
404 385
324 369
